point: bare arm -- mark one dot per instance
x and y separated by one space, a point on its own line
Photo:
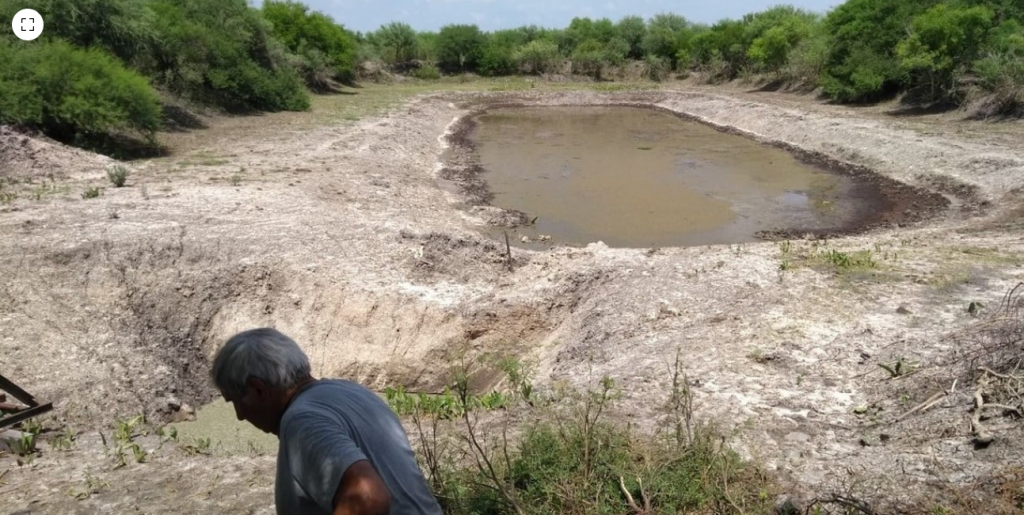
362 492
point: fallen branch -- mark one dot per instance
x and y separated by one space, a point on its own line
981 435
632 502
924 406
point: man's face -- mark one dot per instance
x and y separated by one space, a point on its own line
256 407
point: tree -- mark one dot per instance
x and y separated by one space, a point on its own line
632 29
314 37
459 48
944 41
861 64
399 39
662 38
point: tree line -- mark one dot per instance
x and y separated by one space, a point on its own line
109 65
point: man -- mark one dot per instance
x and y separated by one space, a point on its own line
342 450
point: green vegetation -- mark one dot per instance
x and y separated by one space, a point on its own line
118 175
569 458
103 68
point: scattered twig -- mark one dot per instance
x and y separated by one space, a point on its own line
508 253
924 406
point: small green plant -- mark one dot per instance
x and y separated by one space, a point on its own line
197 446
118 175
899 368
124 445
235 180
64 441
90 193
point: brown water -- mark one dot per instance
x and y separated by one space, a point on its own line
633 177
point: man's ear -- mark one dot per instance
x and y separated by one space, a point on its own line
257 387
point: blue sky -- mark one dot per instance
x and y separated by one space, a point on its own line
422 15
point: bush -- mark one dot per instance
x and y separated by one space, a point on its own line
657 68
70 93
427 72
943 43
537 56
459 48
497 60
861 64
324 45
125 28
220 52
569 459
118 176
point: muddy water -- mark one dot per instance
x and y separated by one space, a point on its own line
633 177
227 434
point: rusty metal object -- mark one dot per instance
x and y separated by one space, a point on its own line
17 414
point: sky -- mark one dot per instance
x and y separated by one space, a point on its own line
431 15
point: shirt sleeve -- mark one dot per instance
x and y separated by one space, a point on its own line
319 453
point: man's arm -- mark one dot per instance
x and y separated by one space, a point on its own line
362 492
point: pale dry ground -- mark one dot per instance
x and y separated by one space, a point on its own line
338 233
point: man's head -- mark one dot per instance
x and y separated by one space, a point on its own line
258 372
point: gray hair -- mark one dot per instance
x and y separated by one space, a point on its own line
263 353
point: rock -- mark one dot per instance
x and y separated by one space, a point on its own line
903 310
525 239
10 441
184 413
787 505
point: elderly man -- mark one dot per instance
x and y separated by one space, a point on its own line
341 451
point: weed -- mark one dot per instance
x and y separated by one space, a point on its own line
118 175
64 441
197 446
124 445
92 192
899 368
235 180
572 460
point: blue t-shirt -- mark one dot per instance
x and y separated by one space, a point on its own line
331 424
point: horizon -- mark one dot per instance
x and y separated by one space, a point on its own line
490 15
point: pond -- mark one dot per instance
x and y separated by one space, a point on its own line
636 177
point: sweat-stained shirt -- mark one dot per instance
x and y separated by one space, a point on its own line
331 424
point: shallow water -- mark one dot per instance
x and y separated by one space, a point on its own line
633 177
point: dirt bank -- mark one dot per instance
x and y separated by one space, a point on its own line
343 236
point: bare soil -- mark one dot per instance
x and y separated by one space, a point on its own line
356 239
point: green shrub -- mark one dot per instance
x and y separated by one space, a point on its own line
537 56
70 93
118 176
459 48
221 52
125 28
92 192
861 64
324 44
569 458
657 68
943 43
632 30
427 72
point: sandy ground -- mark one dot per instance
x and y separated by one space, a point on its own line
342 235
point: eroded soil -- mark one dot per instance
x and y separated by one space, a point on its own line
352 238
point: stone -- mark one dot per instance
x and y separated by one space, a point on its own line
903 310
